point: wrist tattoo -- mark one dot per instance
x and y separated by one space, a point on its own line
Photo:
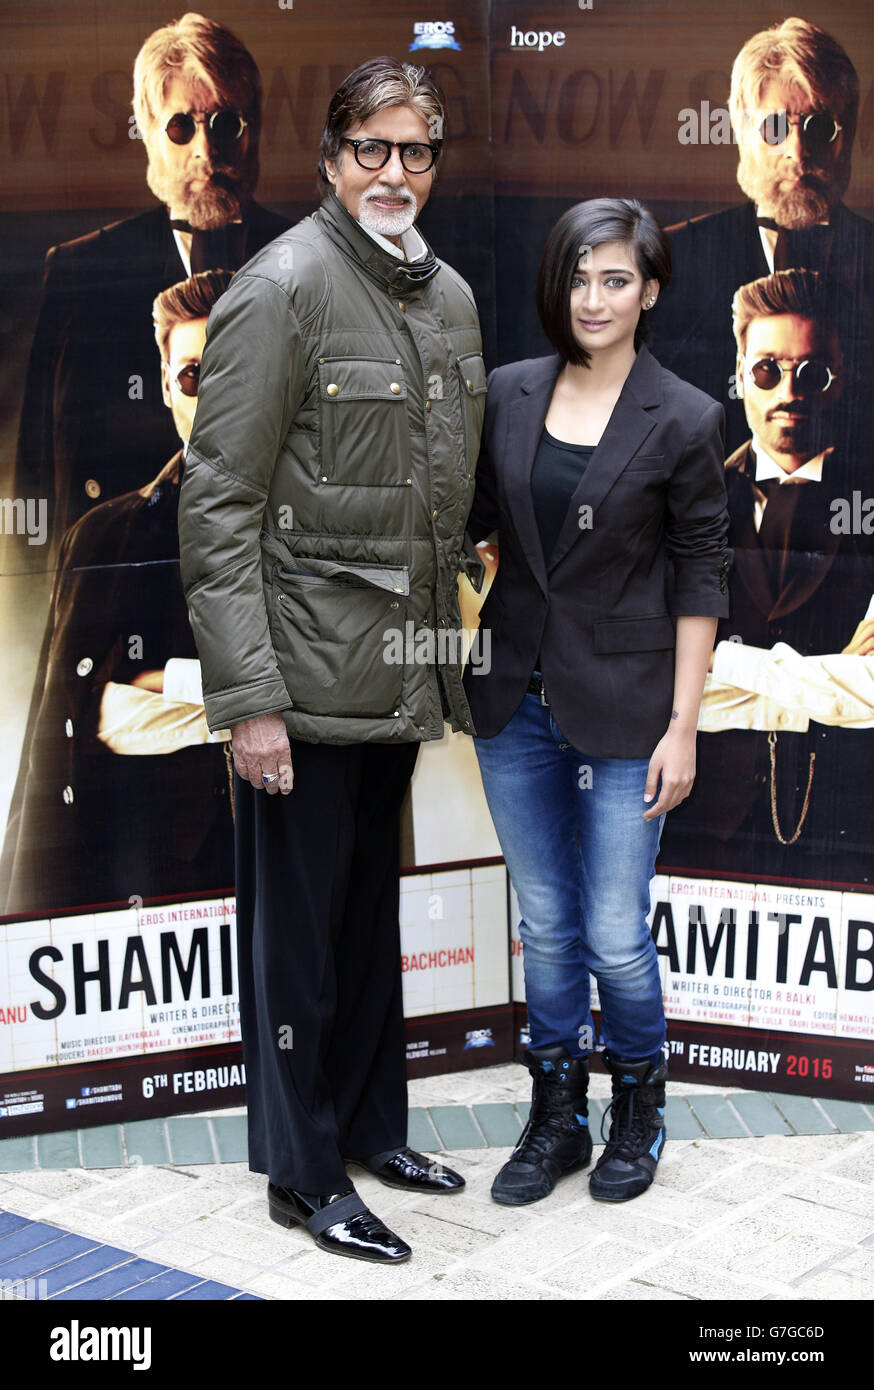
675 714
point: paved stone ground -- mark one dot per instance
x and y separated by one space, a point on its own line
780 1217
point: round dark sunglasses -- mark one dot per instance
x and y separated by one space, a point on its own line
811 377
225 126
188 378
416 157
817 128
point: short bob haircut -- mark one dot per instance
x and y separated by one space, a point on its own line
587 225
372 86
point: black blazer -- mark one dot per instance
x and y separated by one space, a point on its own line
652 548
93 423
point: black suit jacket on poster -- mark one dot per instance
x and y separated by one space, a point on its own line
814 603
715 254
93 424
601 609
88 825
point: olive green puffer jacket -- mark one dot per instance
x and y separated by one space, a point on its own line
327 484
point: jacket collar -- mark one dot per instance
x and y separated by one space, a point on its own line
399 277
626 430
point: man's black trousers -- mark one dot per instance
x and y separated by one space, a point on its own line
319 962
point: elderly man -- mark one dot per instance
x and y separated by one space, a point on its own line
794 103
786 752
93 424
328 482
117 793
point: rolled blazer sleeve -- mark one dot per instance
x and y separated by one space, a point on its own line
250 388
483 517
696 526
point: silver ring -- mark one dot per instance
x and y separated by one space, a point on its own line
269 777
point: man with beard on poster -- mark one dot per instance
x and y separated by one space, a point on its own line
794 104
785 784
92 422
119 794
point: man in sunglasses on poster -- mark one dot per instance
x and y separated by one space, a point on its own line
327 486
785 781
92 421
794 104
102 811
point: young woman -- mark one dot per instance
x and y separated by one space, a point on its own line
602 474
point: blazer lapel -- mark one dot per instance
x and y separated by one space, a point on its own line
632 420
524 427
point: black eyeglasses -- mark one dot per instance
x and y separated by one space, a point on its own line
225 126
416 157
817 128
812 377
188 378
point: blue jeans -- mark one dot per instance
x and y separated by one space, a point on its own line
581 857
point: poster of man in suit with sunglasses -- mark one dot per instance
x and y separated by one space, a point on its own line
794 107
100 811
92 421
785 781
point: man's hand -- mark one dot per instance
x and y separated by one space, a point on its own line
862 641
673 761
260 747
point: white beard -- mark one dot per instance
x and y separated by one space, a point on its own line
387 223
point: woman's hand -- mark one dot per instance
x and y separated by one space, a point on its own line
673 761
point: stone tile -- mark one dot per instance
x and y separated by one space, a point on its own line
539 1247
476 1285
802 1150
748 1180
190 1140
456 1127
58 1150
231 1138
835 1284
786 1258
636 1291
178 1252
427 1232
499 1123
716 1117
262 1247
684 1167
849 1116
825 1188
606 1260
825 1223
759 1113
48 1183
803 1114
857 1162
102 1147
228 1270
484 1215
680 1120
701 1281
421 1134
278 1287
680 1213
147 1140
17 1154
857 1261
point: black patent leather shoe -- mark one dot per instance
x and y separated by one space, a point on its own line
410 1171
339 1223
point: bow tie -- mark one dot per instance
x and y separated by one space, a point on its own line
220 248
806 247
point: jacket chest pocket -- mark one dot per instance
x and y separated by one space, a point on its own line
473 387
364 426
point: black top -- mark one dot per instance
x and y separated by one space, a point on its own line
557 470
558 467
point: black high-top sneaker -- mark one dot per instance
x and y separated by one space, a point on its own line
556 1138
637 1131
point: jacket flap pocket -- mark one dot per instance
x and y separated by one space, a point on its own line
634 634
394 578
473 374
361 379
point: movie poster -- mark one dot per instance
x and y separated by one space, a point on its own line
117 948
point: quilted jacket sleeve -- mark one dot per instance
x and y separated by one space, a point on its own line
251 384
